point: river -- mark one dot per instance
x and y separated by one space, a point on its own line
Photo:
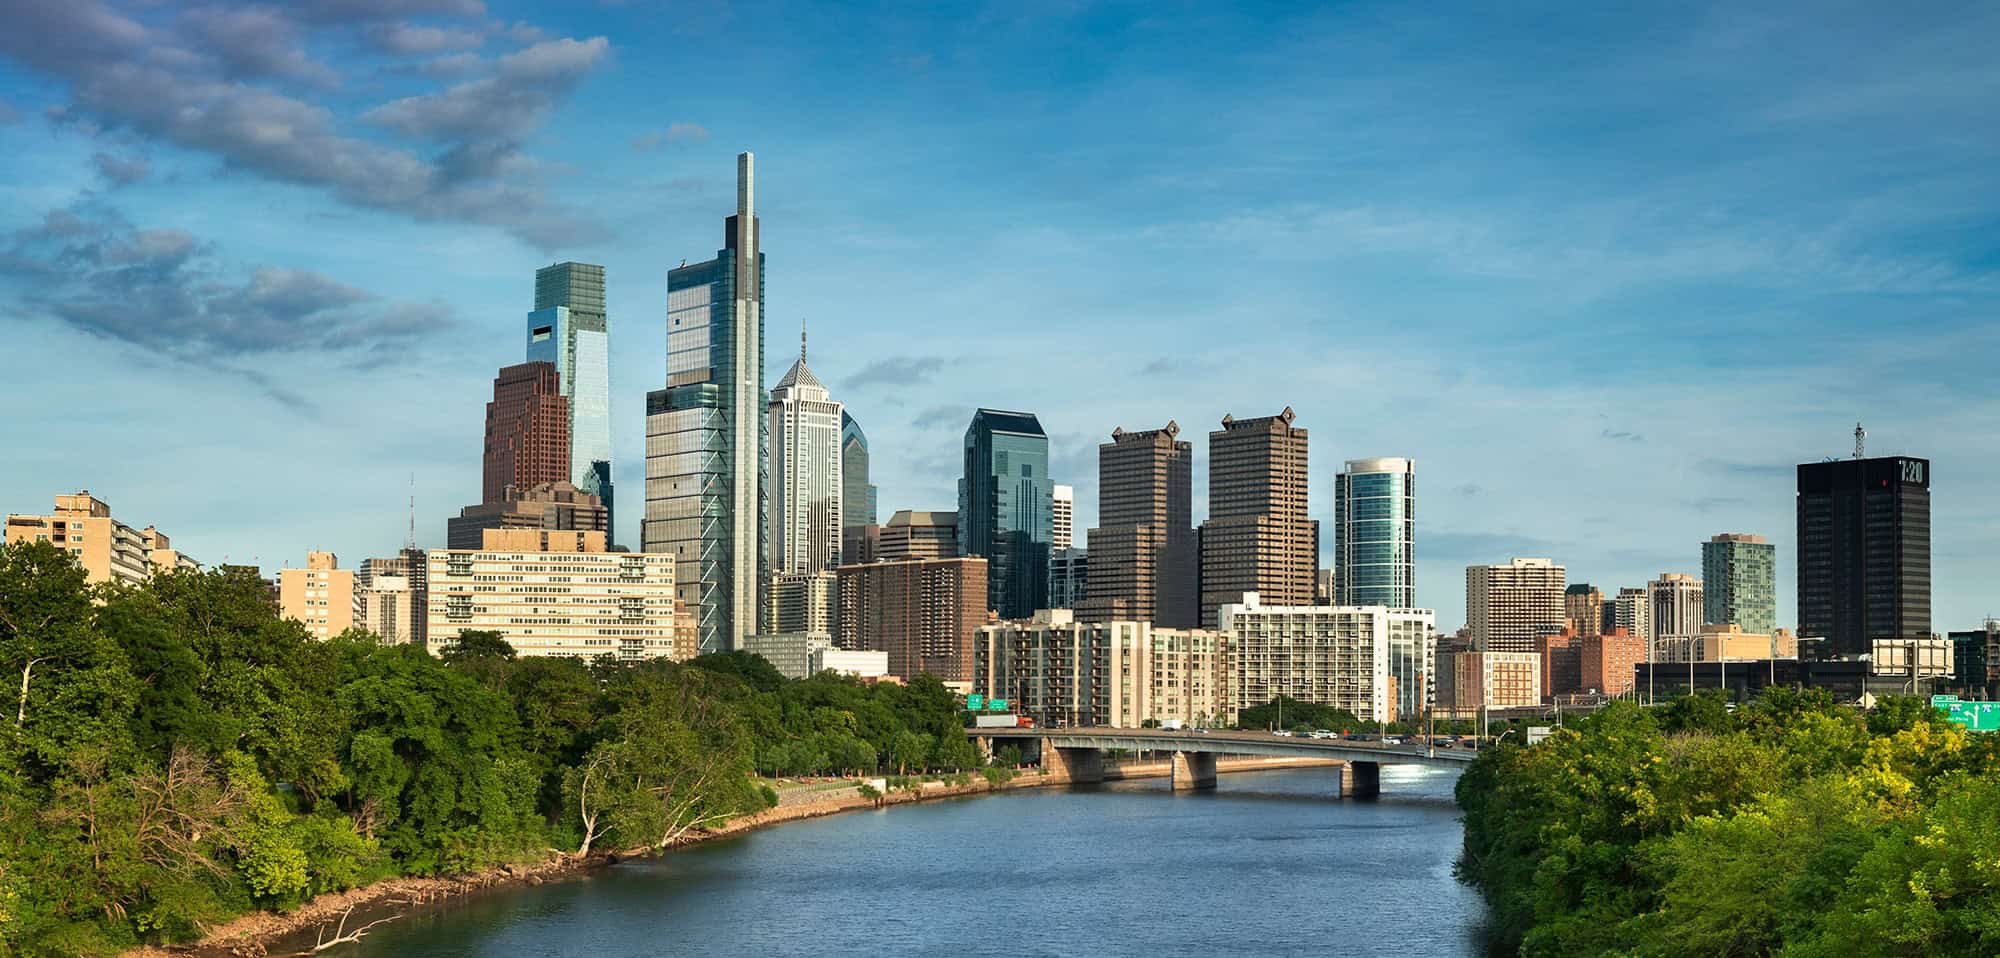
1268 863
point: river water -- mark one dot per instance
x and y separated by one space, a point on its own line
1268 863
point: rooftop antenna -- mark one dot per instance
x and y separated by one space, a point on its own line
802 340
1860 439
413 511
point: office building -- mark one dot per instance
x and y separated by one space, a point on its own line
1739 575
805 472
1004 505
1062 517
1975 660
802 602
857 495
1675 604
570 329
913 534
385 606
1606 661
791 653
859 663
552 505
864 543
1375 533
1864 529
553 593
108 550
705 432
1065 673
1069 577
320 596
1583 609
1371 660
1632 611
1508 607
922 612
1143 547
1123 674
1258 536
527 431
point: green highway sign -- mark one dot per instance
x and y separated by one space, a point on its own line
1938 701
1973 716
975 702
997 705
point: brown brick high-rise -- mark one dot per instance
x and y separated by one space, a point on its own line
527 431
1258 537
923 612
1143 563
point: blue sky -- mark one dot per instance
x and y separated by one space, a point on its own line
1607 275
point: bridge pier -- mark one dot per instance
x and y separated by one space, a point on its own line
1360 779
1192 770
1079 766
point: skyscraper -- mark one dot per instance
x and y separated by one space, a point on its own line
1632 611
705 441
1508 608
1583 608
1142 551
1004 505
1676 604
1375 533
857 494
806 490
527 432
1062 518
1739 575
1864 552
569 328
1258 537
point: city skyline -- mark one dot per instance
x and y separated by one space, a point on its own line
1717 286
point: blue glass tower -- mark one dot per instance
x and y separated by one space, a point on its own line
1004 508
1375 533
705 433
569 328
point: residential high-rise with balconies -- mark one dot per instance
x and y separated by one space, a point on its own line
1375 533
1583 608
570 329
1142 550
1371 660
1259 536
923 612
108 550
705 432
1675 604
1508 608
1004 506
1739 575
1864 553
554 593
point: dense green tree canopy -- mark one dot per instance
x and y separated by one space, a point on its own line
1792 826
174 754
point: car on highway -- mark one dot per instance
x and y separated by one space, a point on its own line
1283 733
1322 733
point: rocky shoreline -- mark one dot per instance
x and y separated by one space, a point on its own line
332 916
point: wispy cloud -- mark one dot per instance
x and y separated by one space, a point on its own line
674 134
896 371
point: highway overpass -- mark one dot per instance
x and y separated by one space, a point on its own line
1078 753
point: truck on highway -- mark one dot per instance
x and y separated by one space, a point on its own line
1173 725
1002 721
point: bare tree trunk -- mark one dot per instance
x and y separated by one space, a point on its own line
21 714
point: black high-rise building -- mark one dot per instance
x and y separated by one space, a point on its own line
1864 553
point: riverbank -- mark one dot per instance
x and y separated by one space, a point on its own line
332 916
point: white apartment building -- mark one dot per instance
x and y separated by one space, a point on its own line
1372 660
574 603
1117 674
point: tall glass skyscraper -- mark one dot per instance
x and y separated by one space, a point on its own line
705 433
1004 505
569 328
1739 576
1375 533
857 494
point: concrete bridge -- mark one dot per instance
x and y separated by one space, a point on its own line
1077 754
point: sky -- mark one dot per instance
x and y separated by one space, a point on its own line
1606 272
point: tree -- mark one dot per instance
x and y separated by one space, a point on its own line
910 750
475 644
